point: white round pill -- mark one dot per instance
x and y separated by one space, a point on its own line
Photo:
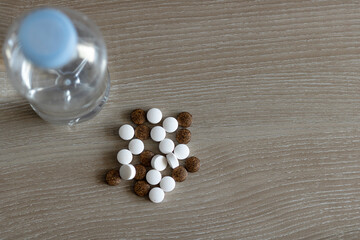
166 146
136 146
124 156
126 132
154 115
172 160
157 133
153 177
127 172
156 195
170 124
181 151
167 184
159 162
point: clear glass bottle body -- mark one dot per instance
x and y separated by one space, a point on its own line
72 93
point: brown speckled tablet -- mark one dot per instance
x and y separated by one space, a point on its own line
192 164
179 174
138 116
140 172
142 132
184 119
145 158
113 177
183 136
141 188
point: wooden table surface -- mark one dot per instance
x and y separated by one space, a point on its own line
274 90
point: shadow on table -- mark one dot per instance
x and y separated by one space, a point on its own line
3 31
109 158
18 111
109 162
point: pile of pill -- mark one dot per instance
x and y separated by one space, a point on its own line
148 174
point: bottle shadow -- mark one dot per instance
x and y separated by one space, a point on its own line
109 157
18 112
3 30
12 13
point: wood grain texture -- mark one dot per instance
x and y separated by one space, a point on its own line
275 93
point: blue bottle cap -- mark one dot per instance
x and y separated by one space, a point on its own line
48 38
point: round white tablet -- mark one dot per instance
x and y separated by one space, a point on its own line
154 115
166 146
153 177
172 160
124 156
136 146
157 133
181 151
127 172
170 124
126 132
159 162
156 195
167 184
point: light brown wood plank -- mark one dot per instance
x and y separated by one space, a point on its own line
274 90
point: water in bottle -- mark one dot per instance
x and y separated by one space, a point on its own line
56 58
